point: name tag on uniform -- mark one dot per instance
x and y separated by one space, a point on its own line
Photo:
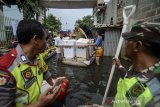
29 83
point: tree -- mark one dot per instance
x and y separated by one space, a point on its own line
30 8
52 23
86 21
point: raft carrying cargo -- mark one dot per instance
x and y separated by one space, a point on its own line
78 52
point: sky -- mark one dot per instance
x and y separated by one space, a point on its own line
66 16
12 12
69 16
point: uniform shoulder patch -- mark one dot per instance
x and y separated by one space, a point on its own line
7 59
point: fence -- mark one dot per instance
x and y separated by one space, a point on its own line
7 31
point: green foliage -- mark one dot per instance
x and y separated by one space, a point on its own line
52 23
86 21
29 8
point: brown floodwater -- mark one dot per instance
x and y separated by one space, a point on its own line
86 85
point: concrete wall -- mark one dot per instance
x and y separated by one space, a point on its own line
109 13
146 10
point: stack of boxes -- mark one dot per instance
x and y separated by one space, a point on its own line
82 48
77 49
69 49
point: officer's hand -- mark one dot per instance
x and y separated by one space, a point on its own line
49 96
60 78
59 81
116 61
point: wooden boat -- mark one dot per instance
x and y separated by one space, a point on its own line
78 61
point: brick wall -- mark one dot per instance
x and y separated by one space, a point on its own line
146 10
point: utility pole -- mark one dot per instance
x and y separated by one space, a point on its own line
66 25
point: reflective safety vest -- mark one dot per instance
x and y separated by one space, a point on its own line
137 91
28 79
130 93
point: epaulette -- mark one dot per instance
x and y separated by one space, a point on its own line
5 62
7 59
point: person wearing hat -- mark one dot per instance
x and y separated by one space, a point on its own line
78 32
140 85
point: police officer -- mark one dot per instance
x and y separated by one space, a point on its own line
22 70
140 85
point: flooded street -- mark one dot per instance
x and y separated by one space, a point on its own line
86 85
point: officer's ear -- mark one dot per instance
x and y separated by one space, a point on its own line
35 39
137 46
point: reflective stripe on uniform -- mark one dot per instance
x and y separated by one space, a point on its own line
22 100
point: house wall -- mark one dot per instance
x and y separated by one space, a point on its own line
109 13
146 10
